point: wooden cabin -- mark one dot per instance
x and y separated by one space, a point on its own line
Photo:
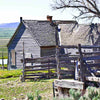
38 37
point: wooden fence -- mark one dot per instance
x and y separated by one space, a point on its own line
89 68
3 54
61 65
64 65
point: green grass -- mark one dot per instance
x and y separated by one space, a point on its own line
4 50
10 73
12 87
5 65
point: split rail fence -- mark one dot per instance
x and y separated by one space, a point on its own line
49 66
64 66
89 68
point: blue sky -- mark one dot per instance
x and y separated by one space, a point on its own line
12 10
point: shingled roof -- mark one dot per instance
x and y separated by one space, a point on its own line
73 34
41 31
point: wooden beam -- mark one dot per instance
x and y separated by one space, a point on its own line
82 69
69 84
94 79
91 58
23 77
68 46
90 46
42 65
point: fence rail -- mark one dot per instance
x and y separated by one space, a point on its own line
63 65
46 67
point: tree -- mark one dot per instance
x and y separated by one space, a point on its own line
87 9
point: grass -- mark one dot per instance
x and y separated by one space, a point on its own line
5 65
12 87
5 52
10 73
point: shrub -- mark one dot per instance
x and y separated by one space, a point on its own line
34 97
30 96
75 94
92 93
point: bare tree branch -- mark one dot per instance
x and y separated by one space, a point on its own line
86 8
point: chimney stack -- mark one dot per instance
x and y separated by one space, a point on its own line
21 19
49 18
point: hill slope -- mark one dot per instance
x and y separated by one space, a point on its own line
9 25
8 29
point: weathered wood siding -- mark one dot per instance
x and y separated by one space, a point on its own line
47 51
30 46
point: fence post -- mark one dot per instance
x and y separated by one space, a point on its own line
48 69
23 77
2 60
82 67
58 63
57 51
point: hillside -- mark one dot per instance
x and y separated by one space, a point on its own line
9 25
7 29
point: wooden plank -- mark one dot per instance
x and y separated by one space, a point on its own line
81 67
89 53
36 74
97 65
67 62
68 46
68 58
2 61
41 65
64 55
34 78
69 84
91 58
90 46
83 46
23 77
65 72
94 79
40 68
58 62
26 70
40 60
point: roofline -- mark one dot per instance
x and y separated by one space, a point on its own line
66 21
48 46
14 34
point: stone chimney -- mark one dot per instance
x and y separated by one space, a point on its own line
49 18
